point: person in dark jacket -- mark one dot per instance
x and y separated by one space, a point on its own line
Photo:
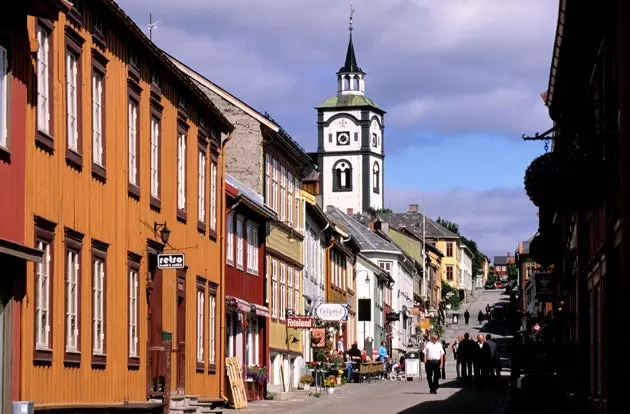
466 317
496 366
465 355
482 361
480 317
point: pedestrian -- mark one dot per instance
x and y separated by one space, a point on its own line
496 365
482 361
465 354
466 317
456 357
445 346
433 362
382 355
480 317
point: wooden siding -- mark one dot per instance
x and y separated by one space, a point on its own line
280 241
104 211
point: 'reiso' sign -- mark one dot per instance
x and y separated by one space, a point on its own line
171 261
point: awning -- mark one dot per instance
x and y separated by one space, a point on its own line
244 306
20 251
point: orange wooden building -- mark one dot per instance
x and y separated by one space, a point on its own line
124 163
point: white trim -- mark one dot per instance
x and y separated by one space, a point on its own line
132 120
240 222
72 301
181 171
229 242
98 149
201 314
42 294
98 310
133 314
43 79
201 187
72 110
212 311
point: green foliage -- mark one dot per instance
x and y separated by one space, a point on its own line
512 271
477 256
493 277
374 212
449 225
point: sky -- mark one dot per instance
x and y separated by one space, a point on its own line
460 81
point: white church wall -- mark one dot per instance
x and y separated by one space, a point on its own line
328 115
345 124
343 200
376 200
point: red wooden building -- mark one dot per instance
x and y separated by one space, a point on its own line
247 316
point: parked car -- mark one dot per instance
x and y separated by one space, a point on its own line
489 285
498 285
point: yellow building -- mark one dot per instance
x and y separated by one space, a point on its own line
449 246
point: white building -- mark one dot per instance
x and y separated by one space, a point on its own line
465 267
398 296
350 145
371 283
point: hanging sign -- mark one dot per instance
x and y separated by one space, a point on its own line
331 312
171 261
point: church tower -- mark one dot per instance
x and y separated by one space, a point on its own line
350 147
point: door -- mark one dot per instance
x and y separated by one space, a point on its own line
157 365
181 329
2 354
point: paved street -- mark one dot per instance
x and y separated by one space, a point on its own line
403 397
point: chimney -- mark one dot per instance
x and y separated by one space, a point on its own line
385 228
350 211
413 208
374 224
508 254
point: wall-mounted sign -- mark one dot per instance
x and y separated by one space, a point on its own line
171 261
546 287
392 317
299 322
332 312
318 338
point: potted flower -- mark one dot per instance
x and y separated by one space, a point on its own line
305 382
330 383
340 374
255 377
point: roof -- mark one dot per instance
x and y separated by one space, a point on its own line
350 65
317 212
368 241
349 101
380 272
164 59
409 262
250 197
500 261
207 86
412 222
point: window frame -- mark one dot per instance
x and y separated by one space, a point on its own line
155 159
290 294
376 178
99 67
133 97
214 187
200 331
133 266
268 164
229 238
44 139
74 47
274 184
283 193
240 261
283 291
44 231
73 244
336 176
212 327
452 273
202 179
182 171
99 253
275 292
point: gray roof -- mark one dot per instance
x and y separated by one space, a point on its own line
367 239
412 222
500 261
526 244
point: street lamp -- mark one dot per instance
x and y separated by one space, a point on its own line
165 232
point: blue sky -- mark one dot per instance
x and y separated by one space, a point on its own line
460 80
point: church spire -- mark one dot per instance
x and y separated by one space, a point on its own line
351 78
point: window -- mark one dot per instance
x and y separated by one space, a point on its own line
342 176
376 178
290 288
44 236
72 105
181 174
449 249
229 242
201 186
213 196
239 242
274 189
387 266
252 248
212 326
98 144
267 179
155 160
253 342
296 189
290 198
283 290
274 288
99 300
73 244
296 291
4 98
201 321
283 193
449 273
133 265
44 69
132 132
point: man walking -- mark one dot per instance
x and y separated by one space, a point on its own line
495 357
456 357
465 354
466 317
433 362
483 361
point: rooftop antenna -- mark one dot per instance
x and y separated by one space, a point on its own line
351 17
152 26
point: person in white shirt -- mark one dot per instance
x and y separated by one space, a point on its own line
433 362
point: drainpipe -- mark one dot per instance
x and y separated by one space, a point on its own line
221 359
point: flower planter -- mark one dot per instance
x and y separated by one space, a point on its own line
330 391
338 380
254 390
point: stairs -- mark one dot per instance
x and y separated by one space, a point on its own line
188 404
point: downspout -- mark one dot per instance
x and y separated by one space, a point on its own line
222 271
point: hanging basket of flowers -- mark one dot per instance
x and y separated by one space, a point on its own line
543 249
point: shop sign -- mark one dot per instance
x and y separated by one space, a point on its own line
299 322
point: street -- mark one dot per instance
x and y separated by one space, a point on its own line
403 397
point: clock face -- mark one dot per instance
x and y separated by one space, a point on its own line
343 138
374 140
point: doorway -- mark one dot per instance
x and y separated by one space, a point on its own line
156 360
181 329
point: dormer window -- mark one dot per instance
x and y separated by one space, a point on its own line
342 176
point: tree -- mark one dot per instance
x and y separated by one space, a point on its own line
477 256
449 225
374 212
512 271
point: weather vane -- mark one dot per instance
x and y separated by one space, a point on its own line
351 16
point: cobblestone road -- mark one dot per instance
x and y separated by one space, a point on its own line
403 397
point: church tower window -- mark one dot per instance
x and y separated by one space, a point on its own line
342 176
376 178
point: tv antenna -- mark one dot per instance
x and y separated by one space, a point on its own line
152 26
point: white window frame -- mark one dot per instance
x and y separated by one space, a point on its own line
201 313
72 110
155 157
181 171
283 290
133 141
43 79
133 313
72 300
274 187
283 193
213 195
229 242
298 204
98 311
212 312
290 288
274 288
296 290
42 307
239 241
290 191
252 248
97 118
201 184
268 180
